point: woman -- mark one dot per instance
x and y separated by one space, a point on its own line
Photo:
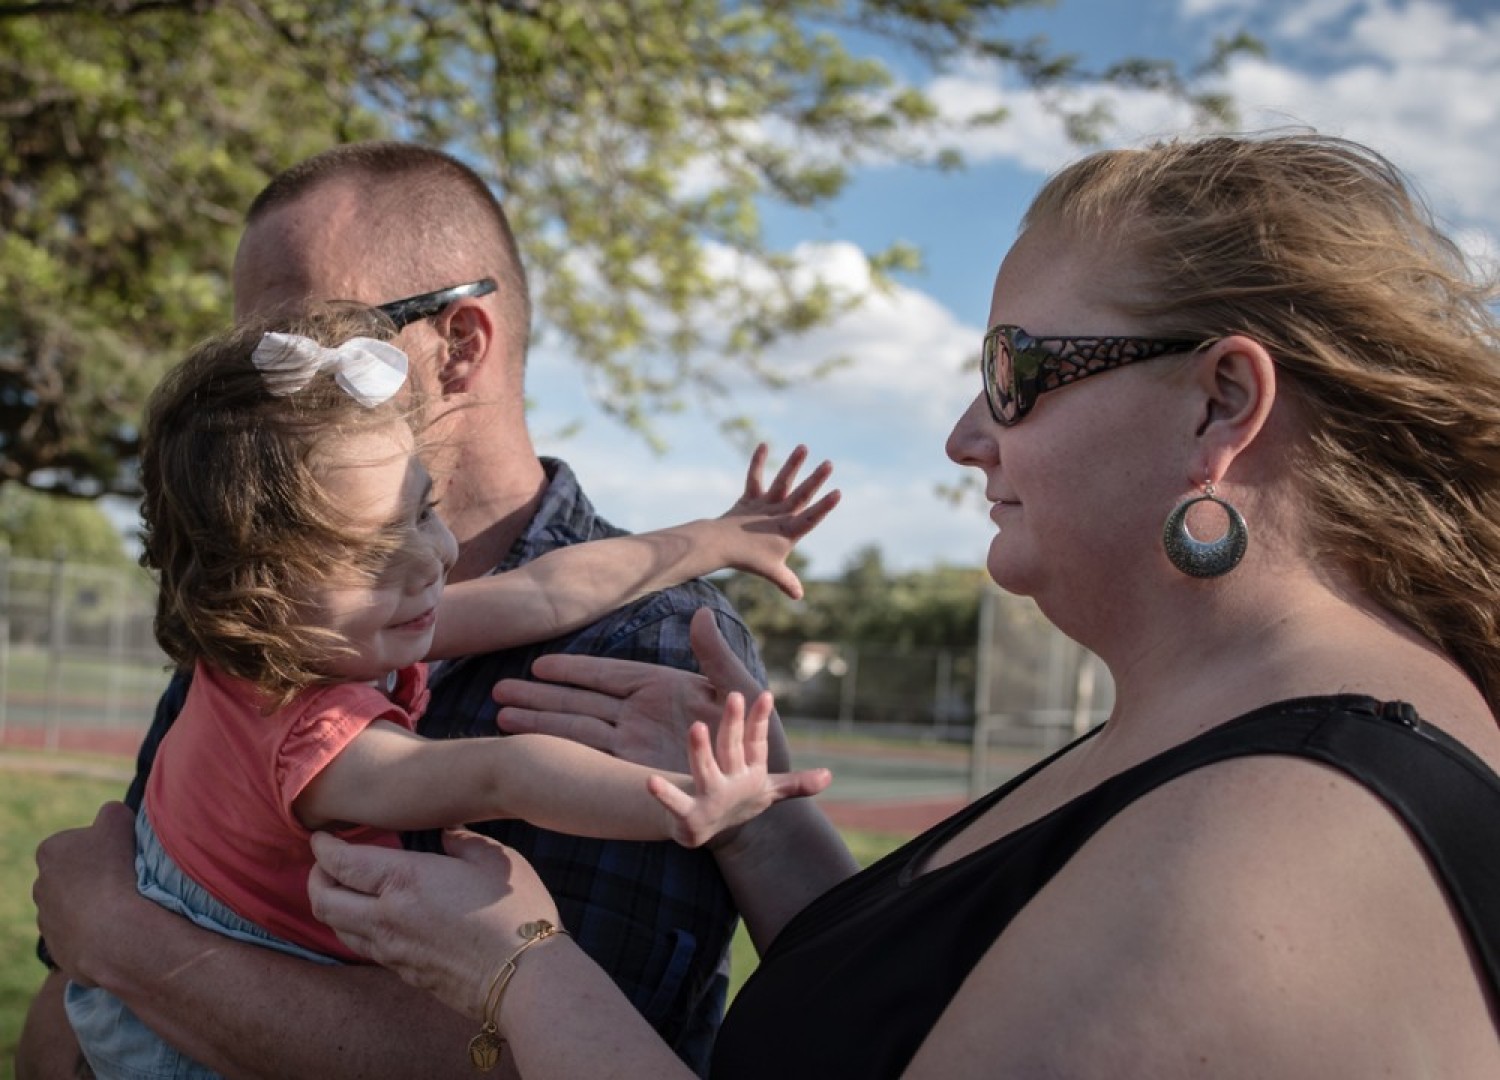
1272 860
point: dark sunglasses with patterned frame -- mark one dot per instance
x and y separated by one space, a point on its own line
1018 368
425 305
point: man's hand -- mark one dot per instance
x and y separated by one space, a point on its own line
636 711
83 876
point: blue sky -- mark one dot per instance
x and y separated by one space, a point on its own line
1417 79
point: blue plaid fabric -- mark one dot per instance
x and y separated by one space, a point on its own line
656 916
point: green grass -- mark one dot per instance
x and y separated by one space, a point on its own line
35 804
32 805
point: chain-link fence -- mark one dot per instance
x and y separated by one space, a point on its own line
1022 689
79 666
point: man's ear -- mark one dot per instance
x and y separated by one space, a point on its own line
1237 379
469 331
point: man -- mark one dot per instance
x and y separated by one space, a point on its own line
414 230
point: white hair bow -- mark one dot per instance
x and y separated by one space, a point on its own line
370 371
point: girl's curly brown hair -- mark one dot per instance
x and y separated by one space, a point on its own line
238 526
1319 249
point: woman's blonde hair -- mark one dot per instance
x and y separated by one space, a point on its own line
238 526
1318 248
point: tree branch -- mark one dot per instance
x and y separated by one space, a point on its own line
113 8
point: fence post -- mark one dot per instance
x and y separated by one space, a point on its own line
942 683
983 675
4 637
116 654
1083 693
4 673
57 642
848 688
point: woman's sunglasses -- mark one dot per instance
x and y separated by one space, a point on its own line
1018 368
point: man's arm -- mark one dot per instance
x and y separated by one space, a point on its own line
238 1008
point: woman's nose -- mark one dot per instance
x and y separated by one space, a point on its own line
972 441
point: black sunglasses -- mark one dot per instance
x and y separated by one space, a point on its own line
415 308
1018 368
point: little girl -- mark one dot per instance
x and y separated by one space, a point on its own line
301 565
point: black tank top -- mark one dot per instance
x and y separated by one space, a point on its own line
853 984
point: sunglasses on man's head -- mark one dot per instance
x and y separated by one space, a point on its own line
424 306
1018 368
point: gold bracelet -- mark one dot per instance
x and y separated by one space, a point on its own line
484 1048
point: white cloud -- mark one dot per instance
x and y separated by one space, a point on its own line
1416 80
1033 134
907 358
906 352
882 419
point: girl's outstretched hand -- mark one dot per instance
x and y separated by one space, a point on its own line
767 522
733 785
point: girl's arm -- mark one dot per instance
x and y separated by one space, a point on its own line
571 587
391 778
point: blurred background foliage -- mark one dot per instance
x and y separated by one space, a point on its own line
635 143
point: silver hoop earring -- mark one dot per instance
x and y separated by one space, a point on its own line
1200 558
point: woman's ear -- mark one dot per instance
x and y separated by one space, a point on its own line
1237 379
469 331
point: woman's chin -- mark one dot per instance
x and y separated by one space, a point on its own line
1005 569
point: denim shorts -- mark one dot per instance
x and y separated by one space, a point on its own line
116 1043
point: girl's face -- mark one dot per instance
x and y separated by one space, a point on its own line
376 479
1078 487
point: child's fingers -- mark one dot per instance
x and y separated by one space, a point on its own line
756 741
795 785
678 802
732 734
803 492
701 761
813 516
782 482
785 579
753 489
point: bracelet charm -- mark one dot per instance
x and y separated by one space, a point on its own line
485 1048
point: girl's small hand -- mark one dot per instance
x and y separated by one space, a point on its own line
769 521
731 788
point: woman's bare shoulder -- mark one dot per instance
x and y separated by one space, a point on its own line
1262 916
